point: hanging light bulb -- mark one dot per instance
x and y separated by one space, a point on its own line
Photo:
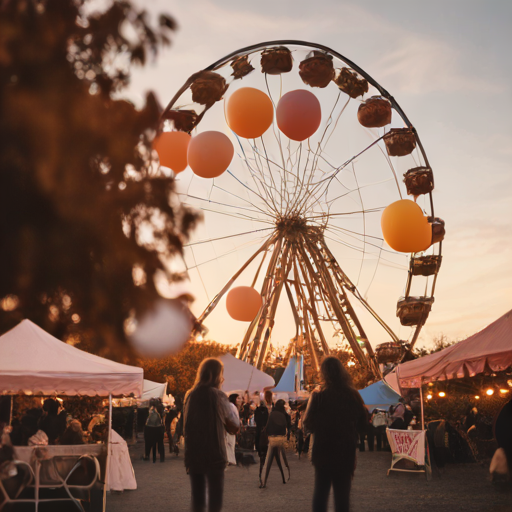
442 394
504 391
477 397
490 392
429 397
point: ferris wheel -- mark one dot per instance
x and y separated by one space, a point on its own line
322 152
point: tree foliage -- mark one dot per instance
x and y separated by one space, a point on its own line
179 371
82 203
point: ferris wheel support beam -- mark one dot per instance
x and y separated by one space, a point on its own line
271 292
342 280
347 283
260 317
211 306
276 295
314 313
305 324
324 277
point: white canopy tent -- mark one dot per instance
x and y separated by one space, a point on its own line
33 361
241 376
153 390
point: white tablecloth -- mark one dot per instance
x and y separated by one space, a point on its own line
120 473
24 453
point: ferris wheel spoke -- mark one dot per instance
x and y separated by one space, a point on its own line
227 205
227 236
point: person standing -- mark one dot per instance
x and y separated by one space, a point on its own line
153 431
170 415
207 417
235 402
335 414
261 416
277 430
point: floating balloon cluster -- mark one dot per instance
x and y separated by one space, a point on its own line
249 113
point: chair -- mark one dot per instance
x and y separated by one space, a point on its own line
15 489
74 476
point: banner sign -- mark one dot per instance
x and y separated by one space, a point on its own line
408 444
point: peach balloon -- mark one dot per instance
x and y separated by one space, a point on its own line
243 303
405 228
209 154
298 114
172 150
249 112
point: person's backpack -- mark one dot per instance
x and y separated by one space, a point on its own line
379 419
154 419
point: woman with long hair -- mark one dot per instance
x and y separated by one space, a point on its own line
207 417
335 414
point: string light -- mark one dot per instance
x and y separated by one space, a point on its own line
504 391
442 394
477 397
490 392
429 397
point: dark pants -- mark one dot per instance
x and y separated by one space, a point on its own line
153 437
340 480
369 434
215 482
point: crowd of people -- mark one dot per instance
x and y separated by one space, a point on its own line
51 424
335 414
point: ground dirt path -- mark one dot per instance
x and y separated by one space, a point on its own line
462 487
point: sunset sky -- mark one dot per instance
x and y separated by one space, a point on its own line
448 65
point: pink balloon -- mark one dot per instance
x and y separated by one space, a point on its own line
209 154
298 114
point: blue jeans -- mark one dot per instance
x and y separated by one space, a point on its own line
340 480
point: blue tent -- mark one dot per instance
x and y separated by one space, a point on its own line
379 395
287 382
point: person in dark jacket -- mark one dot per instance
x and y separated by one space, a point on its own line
277 430
207 417
335 415
53 421
153 433
261 417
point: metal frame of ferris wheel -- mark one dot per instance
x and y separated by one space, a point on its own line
317 289
302 266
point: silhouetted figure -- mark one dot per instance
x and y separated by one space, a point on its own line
277 430
207 417
334 415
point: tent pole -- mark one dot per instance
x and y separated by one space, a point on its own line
422 415
11 410
107 465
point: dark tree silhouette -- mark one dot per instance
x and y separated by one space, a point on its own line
82 203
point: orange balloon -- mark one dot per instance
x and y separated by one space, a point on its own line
243 303
249 112
172 150
298 114
405 228
209 154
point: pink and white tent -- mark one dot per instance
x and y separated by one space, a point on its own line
33 361
490 348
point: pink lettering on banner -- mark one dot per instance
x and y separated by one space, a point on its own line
406 443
